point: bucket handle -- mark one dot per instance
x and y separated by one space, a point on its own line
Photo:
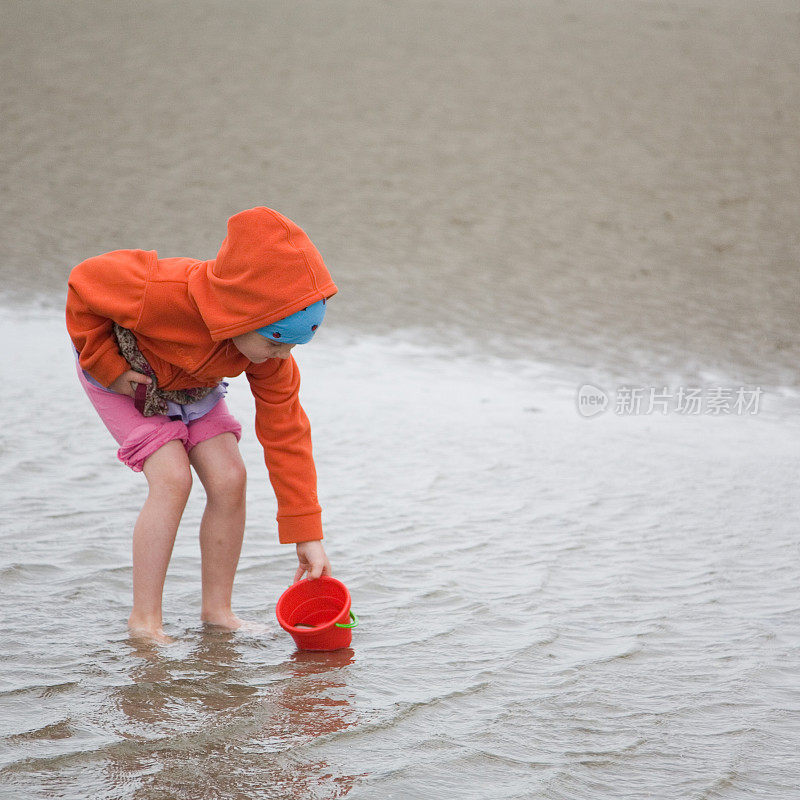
353 624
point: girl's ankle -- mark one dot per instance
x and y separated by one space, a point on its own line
219 616
149 628
145 621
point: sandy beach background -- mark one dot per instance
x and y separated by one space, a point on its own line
618 182
515 199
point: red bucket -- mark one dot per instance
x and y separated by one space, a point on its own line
317 614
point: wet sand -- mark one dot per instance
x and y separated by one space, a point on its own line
612 184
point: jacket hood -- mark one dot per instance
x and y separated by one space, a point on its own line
266 269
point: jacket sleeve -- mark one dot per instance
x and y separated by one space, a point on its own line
103 290
284 431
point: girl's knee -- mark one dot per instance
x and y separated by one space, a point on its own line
167 471
227 483
219 465
176 482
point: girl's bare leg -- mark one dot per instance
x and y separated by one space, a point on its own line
221 470
169 483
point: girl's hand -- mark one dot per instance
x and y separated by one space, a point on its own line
313 560
126 383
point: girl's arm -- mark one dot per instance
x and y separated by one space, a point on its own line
103 290
284 431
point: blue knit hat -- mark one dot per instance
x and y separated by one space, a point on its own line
297 328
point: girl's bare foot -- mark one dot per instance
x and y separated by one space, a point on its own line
231 622
148 629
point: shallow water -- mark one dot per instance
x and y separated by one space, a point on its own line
551 605
516 200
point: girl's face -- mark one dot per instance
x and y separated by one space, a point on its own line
257 348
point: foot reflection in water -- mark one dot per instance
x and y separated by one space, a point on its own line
228 719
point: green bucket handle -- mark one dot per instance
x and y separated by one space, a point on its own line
353 624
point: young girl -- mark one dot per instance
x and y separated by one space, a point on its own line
154 338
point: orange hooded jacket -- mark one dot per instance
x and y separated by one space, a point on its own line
184 312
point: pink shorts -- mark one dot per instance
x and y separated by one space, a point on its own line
139 436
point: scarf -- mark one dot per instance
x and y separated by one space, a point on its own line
149 399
